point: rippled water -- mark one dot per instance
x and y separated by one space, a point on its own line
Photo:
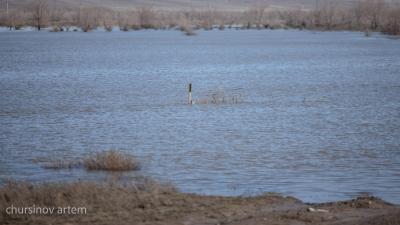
65 94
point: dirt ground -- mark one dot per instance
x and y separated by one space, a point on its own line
278 210
213 210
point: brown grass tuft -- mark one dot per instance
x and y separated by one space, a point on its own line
110 160
101 160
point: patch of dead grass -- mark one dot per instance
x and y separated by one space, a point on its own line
116 199
111 160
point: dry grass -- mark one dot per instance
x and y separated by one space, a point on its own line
101 160
57 165
123 200
321 100
221 96
143 201
117 200
111 160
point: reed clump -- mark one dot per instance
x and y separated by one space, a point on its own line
222 96
111 160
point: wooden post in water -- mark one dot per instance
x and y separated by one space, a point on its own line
190 93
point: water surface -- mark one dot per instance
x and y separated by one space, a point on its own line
68 93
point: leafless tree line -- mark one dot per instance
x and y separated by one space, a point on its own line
362 15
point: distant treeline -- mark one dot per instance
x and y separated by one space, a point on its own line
365 15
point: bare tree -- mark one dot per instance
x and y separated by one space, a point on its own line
232 18
295 17
344 16
209 17
257 12
329 11
128 20
392 21
375 11
57 14
146 16
90 17
108 19
40 11
359 10
16 19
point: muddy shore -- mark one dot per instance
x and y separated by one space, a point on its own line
117 205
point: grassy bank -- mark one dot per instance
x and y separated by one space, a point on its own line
116 200
142 200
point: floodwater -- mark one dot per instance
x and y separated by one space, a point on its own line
321 123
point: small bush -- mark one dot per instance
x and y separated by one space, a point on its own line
67 26
136 27
86 28
190 33
221 27
55 29
207 27
108 28
367 33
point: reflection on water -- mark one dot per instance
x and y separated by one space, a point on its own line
66 94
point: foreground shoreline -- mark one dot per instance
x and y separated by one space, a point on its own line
145 201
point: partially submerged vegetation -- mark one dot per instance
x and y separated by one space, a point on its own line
371 15
221 96
100 160
111 160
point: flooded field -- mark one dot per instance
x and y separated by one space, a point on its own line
322 121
